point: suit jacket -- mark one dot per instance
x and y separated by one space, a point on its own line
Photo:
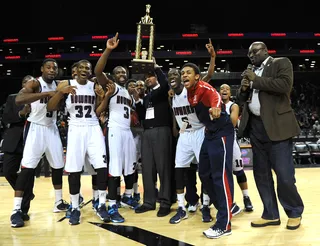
274 87
13 136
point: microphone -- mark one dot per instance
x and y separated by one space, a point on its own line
250 66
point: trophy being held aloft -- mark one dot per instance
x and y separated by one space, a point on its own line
143 62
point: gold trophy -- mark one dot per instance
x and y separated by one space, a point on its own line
143 62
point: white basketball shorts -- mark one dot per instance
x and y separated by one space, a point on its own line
39 140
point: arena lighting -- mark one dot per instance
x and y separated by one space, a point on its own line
53 56
224 52
11 40
316 34
56 38
12 57
235 34
95 54
307 51
278 34
99 37
190 35
272 51
184 53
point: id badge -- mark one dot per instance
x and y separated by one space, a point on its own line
150 113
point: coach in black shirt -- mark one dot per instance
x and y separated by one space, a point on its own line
155 112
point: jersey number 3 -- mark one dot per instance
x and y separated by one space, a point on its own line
80 109
126 112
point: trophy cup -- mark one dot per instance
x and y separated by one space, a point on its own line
143 62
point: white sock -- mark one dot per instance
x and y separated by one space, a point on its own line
135 188
75 201
128 192
102 197
112 202
95 194
245 192
181 202
58 195
206 200
17 203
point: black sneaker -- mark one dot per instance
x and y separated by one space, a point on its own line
103 213
235 209
114 214
25 216
60 206
206 216
75 217
16 219
247 204
180 215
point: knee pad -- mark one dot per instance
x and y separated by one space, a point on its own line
57 176
74 183
241 176
23 178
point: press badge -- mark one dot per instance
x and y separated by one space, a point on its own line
150 113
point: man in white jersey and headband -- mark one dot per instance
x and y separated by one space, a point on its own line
41 136
121 148
85 137
237 166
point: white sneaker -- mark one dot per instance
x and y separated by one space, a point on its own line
193 208
214 233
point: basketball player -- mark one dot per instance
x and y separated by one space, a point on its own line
41 137
237 166
215 162
121 149
188 145
85 137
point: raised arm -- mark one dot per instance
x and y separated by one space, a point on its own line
111 44
105 102
212 64
31 93
62 89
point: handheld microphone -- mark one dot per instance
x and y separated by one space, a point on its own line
250 66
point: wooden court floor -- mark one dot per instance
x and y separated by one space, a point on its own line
43 228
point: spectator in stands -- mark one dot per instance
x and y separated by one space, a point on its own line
316 127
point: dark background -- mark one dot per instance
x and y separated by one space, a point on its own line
60 17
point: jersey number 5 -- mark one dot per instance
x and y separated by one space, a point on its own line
186 120
80 110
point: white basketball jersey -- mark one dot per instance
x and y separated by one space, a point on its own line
119 108
184 113
82 105
228 107
39 114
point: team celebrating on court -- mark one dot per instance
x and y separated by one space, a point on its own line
174 126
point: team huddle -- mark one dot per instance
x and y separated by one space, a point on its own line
101 140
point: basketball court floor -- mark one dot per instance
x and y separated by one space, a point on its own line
48 228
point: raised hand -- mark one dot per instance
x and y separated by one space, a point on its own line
110 89
210 48
69 89
112 43
99 91
215 113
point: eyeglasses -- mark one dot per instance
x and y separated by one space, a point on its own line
254 51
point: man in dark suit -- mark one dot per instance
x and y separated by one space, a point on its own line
14 117
269 121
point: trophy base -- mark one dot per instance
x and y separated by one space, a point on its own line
140 66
